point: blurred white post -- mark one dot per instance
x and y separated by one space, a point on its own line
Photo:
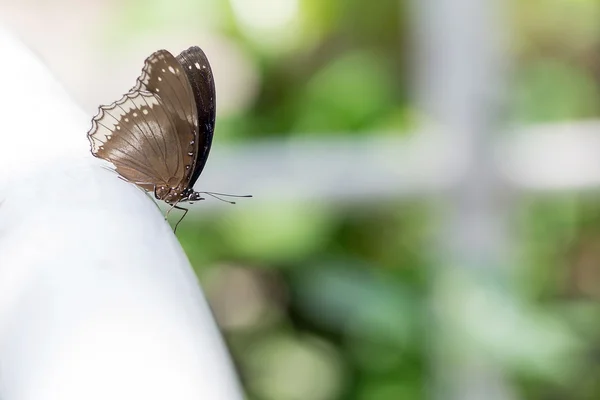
97 298
461 82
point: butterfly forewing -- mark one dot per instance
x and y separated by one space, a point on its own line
163 75
197 68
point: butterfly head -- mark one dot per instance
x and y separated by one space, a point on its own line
190 195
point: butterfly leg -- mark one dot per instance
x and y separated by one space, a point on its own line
180 219
169 210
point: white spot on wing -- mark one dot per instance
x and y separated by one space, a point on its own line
145 111
109 119
197 65
138 102
159 79
171 69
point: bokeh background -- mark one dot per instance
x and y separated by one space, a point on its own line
323 291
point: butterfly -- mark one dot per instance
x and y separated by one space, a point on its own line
158 135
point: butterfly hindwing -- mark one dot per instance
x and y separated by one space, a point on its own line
139 136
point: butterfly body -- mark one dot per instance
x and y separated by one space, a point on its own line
158 135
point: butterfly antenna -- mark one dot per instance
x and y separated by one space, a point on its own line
216 196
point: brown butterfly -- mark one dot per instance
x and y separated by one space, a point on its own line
158 135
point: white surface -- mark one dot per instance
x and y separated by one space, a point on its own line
97 298
554 157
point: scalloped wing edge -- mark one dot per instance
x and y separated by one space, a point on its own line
97 142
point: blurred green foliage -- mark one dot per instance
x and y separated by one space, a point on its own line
322 301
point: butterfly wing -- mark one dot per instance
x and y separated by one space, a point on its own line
197 68
150 133
140 136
